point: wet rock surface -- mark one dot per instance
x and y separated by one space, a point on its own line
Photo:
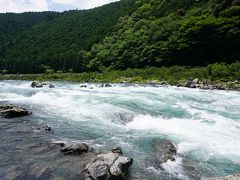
11 111
107 166
77 149
165 150
37 84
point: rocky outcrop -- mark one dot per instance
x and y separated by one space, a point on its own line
76 149
13 111
108 166
165 150
232 177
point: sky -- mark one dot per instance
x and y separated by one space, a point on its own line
48 5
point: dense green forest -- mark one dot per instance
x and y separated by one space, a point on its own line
12 24
127 34
60 42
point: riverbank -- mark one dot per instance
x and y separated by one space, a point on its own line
176 76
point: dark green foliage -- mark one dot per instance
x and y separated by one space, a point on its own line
218 72
129 34
12 24
61 42
167 33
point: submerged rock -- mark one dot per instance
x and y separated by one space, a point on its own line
231 177
76 149
107 166
13 111
165 150
51 86
45 128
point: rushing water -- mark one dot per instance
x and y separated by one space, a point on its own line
205 125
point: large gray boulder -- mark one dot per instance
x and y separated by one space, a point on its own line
13 111
165 150
106 166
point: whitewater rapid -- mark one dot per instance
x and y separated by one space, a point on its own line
204 124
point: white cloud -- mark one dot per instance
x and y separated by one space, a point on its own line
23 5
44 5
83 4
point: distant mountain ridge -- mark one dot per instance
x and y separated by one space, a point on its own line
121 35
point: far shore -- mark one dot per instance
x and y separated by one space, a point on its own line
191 82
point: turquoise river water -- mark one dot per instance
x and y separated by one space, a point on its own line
203 124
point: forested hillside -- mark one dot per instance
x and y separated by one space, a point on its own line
59 42
12 24
129 34
166 33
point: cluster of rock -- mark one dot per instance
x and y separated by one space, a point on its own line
11 111
39 84
103 85
110 165
205 84
202 84
210 85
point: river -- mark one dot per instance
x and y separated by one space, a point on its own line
203 124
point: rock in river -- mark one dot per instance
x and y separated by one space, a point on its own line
51 86
108 166
76 149
37 84
106 85
165 150
13 111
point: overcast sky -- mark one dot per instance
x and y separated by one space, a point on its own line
48 5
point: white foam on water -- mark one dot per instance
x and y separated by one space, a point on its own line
172 167
210 129
221 138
